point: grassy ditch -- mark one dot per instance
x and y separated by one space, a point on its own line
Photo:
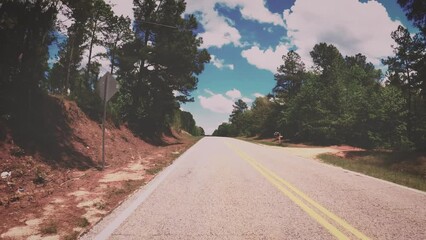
408 169
269 142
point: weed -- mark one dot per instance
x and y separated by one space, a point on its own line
82 222
115 191
99 205
124 138
17 151
72 236
132 185
39 177
154 170
49 228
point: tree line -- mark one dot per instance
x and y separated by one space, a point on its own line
344 100
156 60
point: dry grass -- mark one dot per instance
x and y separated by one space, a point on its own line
408 169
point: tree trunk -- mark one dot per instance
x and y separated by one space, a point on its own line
89 60
67 80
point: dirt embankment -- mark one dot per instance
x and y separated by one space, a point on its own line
55 189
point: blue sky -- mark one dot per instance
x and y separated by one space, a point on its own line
247 39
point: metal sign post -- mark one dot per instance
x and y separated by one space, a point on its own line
107 87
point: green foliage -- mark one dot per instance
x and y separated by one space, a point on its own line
262 121
240 117
162 59
406 71
25 33
185 121
226 130
290 75
413 49
341 101
416 12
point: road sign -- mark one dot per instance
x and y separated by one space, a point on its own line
107 84
107 87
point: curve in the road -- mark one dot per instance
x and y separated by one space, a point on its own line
299 198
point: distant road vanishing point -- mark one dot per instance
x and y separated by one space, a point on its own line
223 188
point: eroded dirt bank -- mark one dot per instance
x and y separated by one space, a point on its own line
57 191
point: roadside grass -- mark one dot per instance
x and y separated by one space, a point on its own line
408 169
265 141
127 187
404 168
155 170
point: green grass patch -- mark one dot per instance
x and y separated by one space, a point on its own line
408 169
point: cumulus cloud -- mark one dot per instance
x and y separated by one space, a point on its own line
255 10
219 30
217 103
353 27
220 63
220 103
247 100
258 95
268 59
233 94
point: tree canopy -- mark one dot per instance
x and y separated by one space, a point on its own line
342 100
156 59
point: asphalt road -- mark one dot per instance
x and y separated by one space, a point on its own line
224 188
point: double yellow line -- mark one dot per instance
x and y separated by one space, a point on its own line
302 200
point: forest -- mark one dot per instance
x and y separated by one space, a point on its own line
345 99
155 59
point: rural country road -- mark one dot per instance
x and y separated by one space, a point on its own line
224 188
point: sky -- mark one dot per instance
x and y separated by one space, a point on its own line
247 39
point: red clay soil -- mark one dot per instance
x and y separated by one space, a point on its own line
60 191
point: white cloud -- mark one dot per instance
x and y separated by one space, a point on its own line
219 30
220 63
105 62
233 94
269 59
353 27
217 103
255 10
63 21
247 100
258 95
220 103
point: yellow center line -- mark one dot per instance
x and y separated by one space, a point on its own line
280 183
